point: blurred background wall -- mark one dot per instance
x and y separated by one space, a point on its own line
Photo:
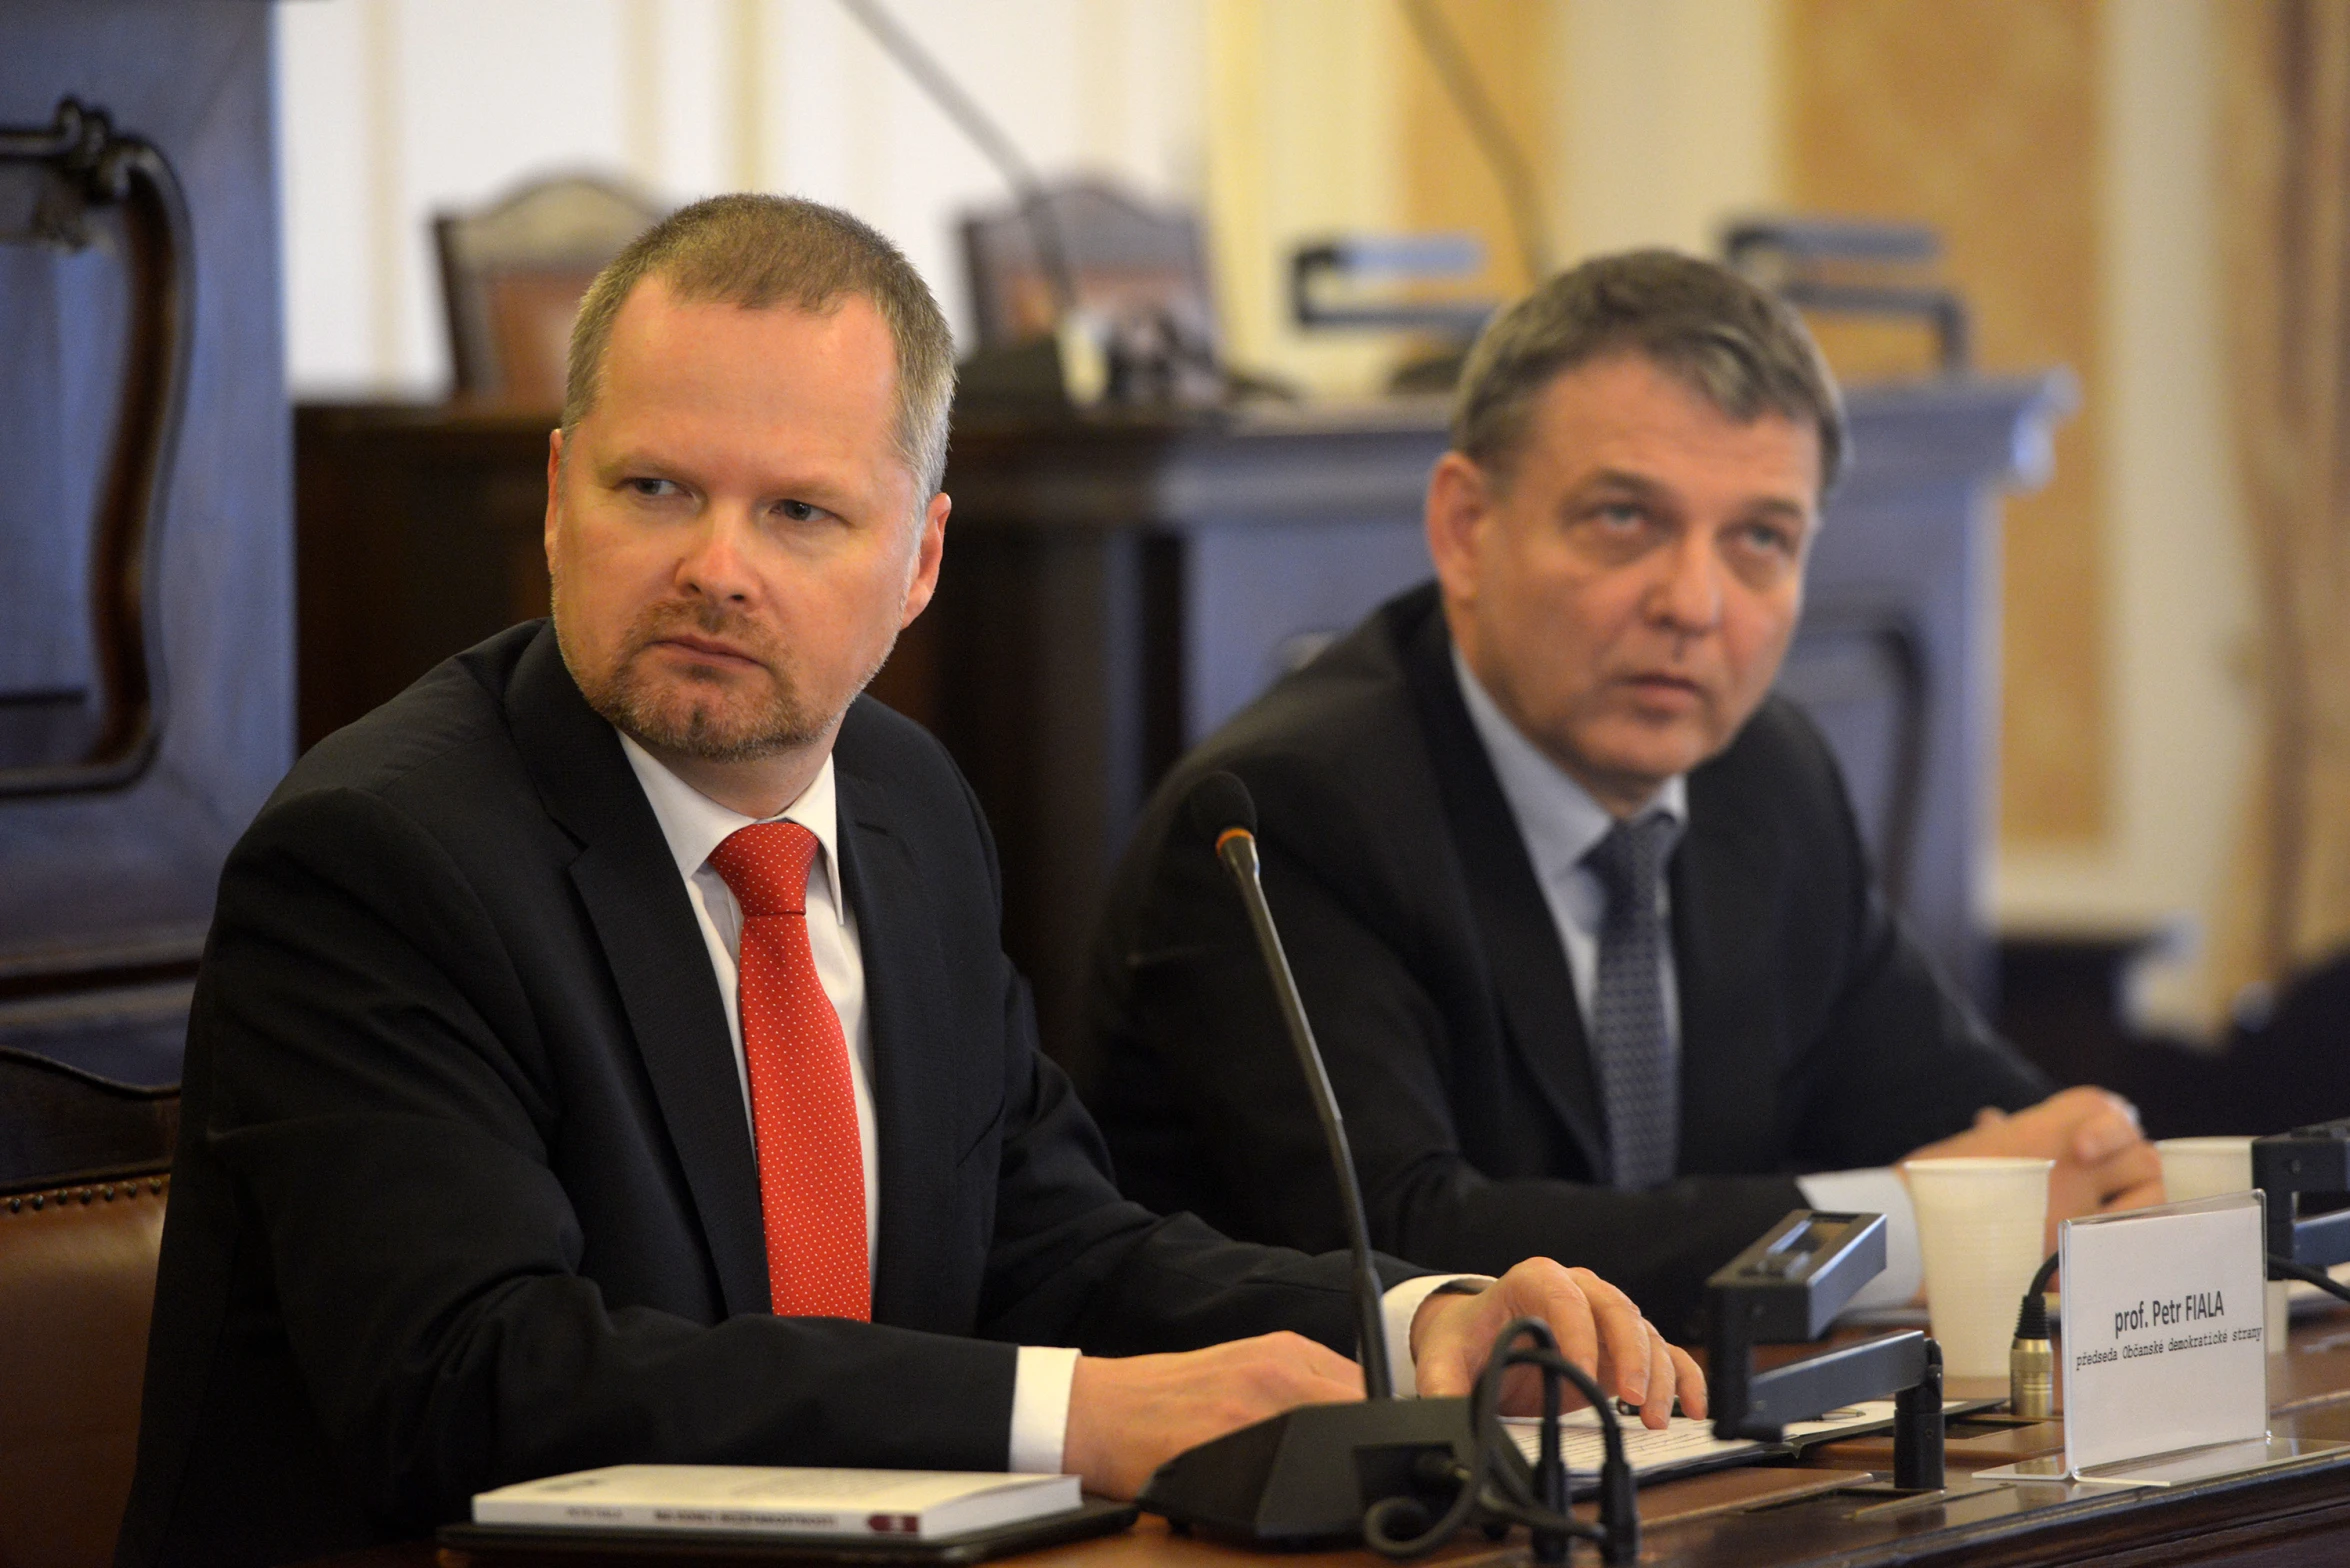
2068 150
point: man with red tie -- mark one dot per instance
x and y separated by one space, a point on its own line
604 1051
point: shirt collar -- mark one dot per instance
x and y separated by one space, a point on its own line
695 825
1557 817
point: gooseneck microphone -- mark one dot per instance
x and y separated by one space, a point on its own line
1223 813
1401 1475
1036 208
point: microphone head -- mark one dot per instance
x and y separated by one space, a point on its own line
1220 803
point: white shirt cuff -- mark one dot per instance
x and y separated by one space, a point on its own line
1040 1408
1040 1381
1879 1191
1398 1307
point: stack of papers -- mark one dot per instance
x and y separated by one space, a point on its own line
1684 1445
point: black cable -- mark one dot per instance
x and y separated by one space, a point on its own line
2031 1321
1491 1490
1489 130
2302 1271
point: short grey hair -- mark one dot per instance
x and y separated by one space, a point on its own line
755 251
1741 348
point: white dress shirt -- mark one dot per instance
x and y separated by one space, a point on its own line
1560 823
694 825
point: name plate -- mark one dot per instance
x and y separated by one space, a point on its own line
2165 1320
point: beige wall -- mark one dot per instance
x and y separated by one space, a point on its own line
2178 583
1668 119
1303 124
1982 121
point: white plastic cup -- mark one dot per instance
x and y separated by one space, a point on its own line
2204 1167
2213 1168
1981 1225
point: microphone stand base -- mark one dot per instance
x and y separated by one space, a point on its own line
1306 1476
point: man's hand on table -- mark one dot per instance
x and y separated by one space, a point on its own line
1598 1329
2103 1161
1130 1414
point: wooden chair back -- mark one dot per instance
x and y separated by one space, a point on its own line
1124 256
512 274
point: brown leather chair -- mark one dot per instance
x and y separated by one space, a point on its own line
78 1244
1136 273
512 274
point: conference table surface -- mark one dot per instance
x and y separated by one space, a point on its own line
1808 1513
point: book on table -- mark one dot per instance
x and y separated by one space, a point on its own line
782 1501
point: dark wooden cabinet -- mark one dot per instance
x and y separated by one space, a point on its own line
1115 587
418 532
146 666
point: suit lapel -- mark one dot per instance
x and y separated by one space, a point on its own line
1721 945
1528 967
645 923
914 1105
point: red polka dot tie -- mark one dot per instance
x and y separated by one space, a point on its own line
803 1110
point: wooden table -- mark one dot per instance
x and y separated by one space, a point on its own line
1808 1514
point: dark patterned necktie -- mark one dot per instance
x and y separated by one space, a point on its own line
1639 1087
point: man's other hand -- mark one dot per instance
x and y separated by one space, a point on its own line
2103 1161
1598 1329
1130 1414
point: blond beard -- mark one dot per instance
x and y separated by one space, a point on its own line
714 725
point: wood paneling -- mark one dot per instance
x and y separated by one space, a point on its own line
104 893
1981 120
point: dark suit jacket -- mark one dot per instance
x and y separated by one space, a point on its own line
1813 1033
465 1190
